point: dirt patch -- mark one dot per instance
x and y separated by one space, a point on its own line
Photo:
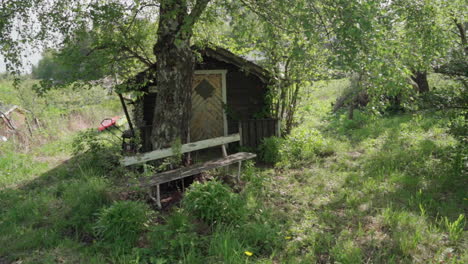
77 122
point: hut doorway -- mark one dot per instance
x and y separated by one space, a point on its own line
208 100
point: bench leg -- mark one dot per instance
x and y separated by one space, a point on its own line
157 200
158 197
239 171
223 148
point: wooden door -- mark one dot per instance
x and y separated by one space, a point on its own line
207 107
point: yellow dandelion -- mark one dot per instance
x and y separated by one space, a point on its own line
248 253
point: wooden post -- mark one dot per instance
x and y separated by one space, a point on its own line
157 200
240 133
278 131
158 197
223 147
239 171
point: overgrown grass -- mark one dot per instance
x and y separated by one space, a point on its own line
46 139
387 189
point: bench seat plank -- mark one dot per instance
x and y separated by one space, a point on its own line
180 173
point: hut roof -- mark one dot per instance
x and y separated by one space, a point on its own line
227 56
146 78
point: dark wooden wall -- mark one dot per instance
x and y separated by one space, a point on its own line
253 131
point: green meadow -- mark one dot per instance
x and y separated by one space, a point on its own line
380 188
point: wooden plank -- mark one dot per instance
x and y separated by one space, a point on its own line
241 143
172 175
263 131
252 133
269 128
164 153
255 129
239 166
278 127
223 148
247 132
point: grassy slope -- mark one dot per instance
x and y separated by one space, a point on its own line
390 193
61 113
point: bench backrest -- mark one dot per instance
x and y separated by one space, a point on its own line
189 147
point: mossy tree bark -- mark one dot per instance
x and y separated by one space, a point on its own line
420 78
174 71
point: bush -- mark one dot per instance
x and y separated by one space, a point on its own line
304 144
97 149
214 202
347 252
226 245
262 237
84 199
458 127
270 149
122 223
176 240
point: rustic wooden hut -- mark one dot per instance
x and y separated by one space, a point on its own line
226 89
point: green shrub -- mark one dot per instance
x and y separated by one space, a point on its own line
347 252
214 202
98 150
254 177
270 149
459 127
455 229
84 199
176 240
304 144
122 223
227 246
262 237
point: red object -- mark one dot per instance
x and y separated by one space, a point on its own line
108 122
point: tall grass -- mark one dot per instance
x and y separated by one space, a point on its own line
53 119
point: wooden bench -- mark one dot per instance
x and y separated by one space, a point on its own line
183 172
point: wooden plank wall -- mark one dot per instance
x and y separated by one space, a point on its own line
253 131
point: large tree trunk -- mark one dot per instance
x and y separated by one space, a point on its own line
420 78
174 72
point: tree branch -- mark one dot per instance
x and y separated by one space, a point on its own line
196 12
265 16
462 34
320 18
138 56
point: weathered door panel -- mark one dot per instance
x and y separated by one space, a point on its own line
207 107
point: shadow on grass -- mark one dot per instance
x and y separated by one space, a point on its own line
413 183
366 126
414 172
384 201
59 205
59 209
